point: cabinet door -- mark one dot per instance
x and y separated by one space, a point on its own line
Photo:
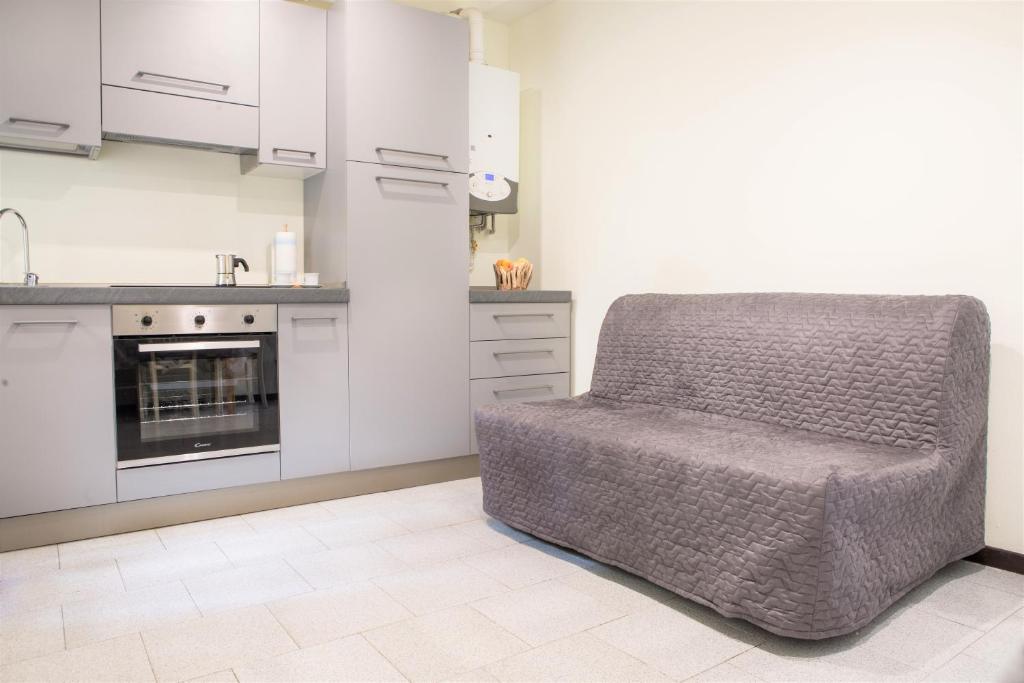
293 84
198 48
408 254
407 87
313 377
56 408
49 73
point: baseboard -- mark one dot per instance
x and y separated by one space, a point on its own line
999 558
63 526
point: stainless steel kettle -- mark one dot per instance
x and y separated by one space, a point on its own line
226 264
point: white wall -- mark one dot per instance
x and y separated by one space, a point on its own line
141 213
785 146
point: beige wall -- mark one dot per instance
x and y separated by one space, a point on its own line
771 146
140 213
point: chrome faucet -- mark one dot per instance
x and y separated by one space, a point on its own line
31 279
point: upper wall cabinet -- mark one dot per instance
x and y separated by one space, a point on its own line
207 49
49 75
293 91
407 86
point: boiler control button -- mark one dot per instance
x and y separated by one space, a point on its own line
249 319
146 321
200 320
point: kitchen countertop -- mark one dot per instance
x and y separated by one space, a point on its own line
70 294
490 295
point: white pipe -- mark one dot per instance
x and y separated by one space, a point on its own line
476 32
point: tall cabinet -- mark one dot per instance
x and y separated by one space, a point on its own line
392 220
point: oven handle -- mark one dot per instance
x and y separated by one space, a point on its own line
198 346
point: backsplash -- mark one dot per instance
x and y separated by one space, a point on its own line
141 214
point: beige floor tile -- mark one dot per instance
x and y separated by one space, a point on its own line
24 635
724 673
546 611
430 546
355 528
565 554
350 659
287 518
52 588
346 564
439 586
836 659
86 556
618 589
162 566
489 533
214 643
221 529
444 644
314 618
92 546
673 641
226 676
372 503
474 676
520 565
965 601
917 638
89 621
20 563
1002 643
281 542
431 514
581 658
119 659
243 586
991 577
432 492
969 670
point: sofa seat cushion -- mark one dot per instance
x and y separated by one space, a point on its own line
800 532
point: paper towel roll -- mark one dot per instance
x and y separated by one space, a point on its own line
285 258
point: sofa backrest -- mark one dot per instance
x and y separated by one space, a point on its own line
893 370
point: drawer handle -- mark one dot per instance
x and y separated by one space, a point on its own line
412 180
410 151
291 154
548 387
184 82
60 127
45 322
300 318
516 353
523 315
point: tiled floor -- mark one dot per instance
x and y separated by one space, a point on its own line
419 584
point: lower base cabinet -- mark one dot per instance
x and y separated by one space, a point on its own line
313 379
201 475
57 444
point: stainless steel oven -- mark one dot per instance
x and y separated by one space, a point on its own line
194 382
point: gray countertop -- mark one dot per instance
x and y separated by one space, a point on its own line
194 294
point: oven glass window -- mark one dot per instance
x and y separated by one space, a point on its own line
195 395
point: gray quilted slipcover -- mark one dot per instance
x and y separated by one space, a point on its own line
797 460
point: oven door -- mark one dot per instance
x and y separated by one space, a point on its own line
194 397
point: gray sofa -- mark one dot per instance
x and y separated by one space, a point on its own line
796 460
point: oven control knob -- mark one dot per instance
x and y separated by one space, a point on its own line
200 320
146 320
249 319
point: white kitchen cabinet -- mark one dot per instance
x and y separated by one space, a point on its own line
408 318
313 379
293 91
50 75
406 86
57 443
206 49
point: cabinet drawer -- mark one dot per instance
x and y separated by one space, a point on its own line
199 475
511 357
518 321
514 390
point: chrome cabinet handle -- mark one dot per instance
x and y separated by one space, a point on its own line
412 180
61 127
45 322
296 318
523 315
410 151
292 153
539 386
198 346
515 353
187 82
